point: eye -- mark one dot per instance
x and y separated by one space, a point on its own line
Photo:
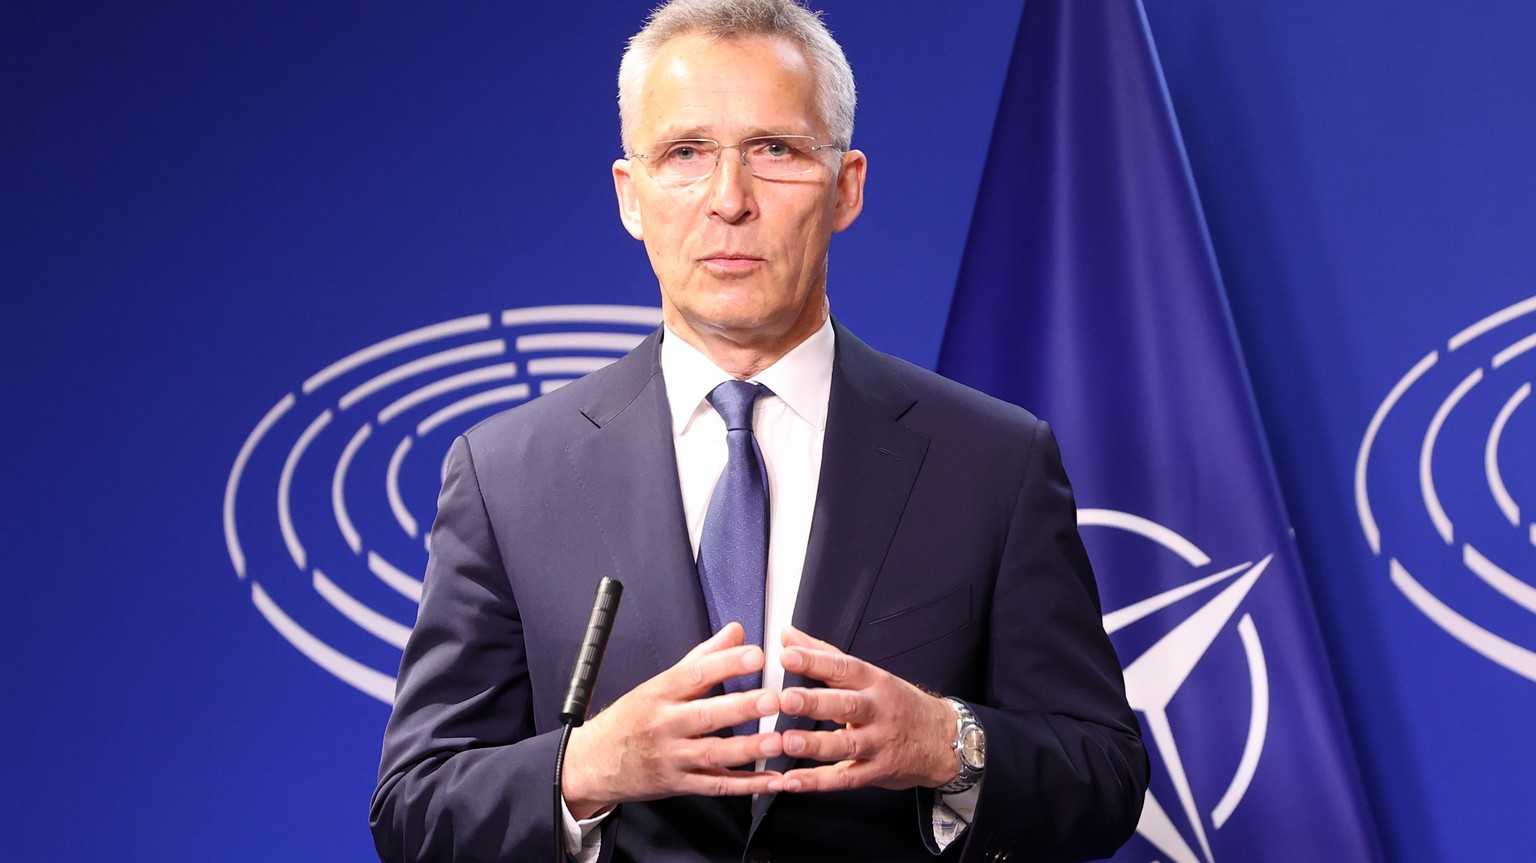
774 148
683 151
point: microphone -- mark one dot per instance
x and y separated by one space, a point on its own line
584 674
578 696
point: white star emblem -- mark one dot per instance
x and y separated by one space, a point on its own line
1154 678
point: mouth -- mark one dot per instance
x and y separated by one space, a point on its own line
730 262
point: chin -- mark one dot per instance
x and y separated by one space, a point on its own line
741 313
745 324
740 310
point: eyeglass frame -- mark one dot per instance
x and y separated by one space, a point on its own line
739 147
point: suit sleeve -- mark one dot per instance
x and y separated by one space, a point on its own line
463 776
1066 770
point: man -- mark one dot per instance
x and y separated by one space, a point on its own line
808 557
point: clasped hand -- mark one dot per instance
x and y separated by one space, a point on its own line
655 741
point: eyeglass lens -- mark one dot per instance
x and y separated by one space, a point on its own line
769 157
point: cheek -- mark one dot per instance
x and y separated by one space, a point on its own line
667 233
813 238
662 242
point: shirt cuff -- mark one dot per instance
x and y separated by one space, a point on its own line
583 834
952 814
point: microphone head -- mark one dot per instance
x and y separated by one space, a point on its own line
578 696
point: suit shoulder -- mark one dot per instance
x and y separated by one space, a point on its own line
557 416
934 392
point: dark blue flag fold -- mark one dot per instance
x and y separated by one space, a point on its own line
1090 295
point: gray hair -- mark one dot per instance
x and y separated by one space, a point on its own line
723 19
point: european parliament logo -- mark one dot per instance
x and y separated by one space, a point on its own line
330 500
1453 439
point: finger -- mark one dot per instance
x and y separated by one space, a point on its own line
834 705
693 676
828 746
712 669
705 715
728 783
832 667
729 635
709 754
841 776
792 637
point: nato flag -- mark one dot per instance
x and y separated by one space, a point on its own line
1089 294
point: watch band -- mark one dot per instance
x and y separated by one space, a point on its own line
965 724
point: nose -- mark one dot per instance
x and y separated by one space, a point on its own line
730 194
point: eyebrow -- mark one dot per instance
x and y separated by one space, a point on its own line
697 133
691 133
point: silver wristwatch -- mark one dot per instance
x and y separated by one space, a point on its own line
970 749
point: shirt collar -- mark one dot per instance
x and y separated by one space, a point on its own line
802 377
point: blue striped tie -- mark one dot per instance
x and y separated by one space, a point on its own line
733 552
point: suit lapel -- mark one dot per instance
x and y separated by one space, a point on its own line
869 463
627 472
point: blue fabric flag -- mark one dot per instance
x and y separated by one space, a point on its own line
1090 295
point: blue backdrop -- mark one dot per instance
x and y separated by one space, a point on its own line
205 206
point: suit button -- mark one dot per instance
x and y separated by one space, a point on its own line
996 855
759 855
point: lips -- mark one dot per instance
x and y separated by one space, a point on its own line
729 256
731 262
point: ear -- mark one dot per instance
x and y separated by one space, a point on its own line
629 201
850 190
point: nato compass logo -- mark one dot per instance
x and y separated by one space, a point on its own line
1156 672
1447 464
329 502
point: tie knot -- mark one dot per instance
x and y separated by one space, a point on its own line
733 400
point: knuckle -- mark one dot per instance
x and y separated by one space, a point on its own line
869 709
840 666
743 707
852 747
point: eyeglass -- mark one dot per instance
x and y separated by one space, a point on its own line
771 157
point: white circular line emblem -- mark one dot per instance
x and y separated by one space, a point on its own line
1462 421
326 503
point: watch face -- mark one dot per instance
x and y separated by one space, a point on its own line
973 748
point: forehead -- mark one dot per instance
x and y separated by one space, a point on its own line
737 86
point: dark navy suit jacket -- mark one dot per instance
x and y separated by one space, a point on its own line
943 548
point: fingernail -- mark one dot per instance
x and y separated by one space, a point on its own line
792 785
775 786
765 703
792 701
771 746
794 745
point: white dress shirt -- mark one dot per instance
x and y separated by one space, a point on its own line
790 426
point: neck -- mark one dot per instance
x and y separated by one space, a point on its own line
744 354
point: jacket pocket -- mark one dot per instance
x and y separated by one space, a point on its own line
912 627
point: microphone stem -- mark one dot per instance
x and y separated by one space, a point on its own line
559 820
